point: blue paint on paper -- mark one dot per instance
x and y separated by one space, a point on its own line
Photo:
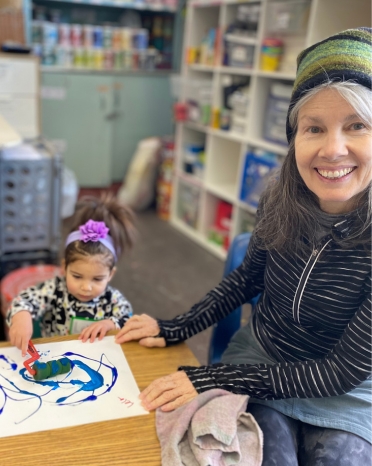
85 375
12 364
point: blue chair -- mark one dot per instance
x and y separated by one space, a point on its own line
225 328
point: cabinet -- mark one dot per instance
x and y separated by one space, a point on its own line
100 113
19 90
199 195
100 119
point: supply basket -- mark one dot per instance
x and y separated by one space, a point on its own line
30 197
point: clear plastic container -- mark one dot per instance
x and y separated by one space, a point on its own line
238 53
288 17
239 102
276 113
188 204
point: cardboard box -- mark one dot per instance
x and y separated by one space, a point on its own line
11 25
12 4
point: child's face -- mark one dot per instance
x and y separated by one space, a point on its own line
87 278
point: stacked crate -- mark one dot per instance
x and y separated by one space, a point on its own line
30 198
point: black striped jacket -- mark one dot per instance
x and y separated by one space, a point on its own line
313 318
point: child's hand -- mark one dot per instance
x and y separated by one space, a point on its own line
143 328
100 328
20 331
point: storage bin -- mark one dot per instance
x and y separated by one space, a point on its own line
276 113
258 168
18 280
239 102
188 204
199 99
17 260
30 197
239 52
288 17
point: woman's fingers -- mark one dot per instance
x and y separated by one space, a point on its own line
180 401
168 392
151 342
138 327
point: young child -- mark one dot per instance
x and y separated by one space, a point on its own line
81 301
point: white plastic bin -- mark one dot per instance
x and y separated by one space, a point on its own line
276 113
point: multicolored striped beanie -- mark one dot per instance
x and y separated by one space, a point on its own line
346 56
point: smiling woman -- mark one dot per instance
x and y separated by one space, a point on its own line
305 357
333 148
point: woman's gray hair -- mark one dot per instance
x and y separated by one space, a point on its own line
289 211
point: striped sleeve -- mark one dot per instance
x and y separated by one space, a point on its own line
241 285
346 366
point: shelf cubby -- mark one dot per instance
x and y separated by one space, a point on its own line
222 167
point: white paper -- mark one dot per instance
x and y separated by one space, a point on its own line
100 387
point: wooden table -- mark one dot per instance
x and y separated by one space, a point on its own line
129 441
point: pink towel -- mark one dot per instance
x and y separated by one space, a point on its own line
213 429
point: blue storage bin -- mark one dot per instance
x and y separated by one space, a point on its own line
257 171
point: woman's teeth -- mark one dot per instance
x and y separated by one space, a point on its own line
336 173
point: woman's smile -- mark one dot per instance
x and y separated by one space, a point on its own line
333 151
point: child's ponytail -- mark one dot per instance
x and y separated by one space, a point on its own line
116 216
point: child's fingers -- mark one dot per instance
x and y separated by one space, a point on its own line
97 330
24 345
102 333
94 334
85 334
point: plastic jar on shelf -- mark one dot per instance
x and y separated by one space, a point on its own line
271 54
191 157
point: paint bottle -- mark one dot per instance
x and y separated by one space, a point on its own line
98 36
215 123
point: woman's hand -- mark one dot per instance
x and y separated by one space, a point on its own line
20 331
169 392
143 328
101 327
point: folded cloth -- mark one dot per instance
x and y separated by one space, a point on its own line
213 429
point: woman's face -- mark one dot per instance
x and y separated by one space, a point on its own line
333 151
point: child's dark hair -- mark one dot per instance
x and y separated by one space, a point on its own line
116 216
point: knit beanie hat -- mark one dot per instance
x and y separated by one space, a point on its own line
346 56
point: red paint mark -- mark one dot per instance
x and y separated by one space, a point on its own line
32 351
126 402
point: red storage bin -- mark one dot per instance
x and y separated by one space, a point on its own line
18 280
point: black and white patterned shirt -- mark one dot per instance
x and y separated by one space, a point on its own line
51 302
313 317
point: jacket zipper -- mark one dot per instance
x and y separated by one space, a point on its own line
304 277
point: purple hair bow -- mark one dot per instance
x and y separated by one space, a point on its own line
93 231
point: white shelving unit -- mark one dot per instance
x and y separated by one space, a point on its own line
225 150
